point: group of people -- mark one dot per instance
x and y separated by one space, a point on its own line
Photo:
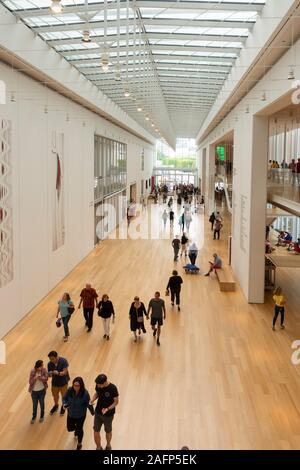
75 399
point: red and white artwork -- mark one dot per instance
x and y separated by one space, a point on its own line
57 190
6 221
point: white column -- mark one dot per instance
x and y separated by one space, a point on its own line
249 205
210 179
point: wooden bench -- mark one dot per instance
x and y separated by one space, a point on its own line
226 279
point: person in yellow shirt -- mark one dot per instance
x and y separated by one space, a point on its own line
279 300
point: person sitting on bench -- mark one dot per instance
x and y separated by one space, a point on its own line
215 264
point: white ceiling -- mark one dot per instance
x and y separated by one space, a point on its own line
173 56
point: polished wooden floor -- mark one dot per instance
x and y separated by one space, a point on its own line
222 379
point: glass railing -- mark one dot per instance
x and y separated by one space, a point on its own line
284 183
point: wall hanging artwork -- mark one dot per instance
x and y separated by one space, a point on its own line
6 221
57 190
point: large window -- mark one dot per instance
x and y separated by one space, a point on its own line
110 166
183 158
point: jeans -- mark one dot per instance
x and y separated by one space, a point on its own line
175 293
65 321
217 234
277 311
38 397
193 258
76 424
88 315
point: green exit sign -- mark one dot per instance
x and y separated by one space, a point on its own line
221 153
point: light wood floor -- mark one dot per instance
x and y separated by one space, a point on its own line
222 379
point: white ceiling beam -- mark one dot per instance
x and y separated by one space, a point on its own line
100 25
157 57
163 79
159 47
182 5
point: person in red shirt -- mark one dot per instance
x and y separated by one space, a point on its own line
89 299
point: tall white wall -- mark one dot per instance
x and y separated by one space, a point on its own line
37 268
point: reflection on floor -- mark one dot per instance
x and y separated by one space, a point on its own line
222 379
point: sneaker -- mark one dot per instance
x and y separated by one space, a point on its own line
273 328
108 447
65 338
179 307
99 448
41 420
282 327
79 447
172 304
104 336
207 274
88 330
62 411
154 332
135 340
157 342
32 421
54 409
107 337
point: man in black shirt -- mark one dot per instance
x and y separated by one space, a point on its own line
176 247
174 285
108 398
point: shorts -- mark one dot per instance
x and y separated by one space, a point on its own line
159 321
58 390
106 420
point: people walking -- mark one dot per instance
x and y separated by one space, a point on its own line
58 371
158 314
217 228
182 221
212 219
176 247
215 264
136 316
279 307
89 299
165 218
193 253
171 216
188 220
107 397
184 243
174 285
65 309
76 401
106 311
38 379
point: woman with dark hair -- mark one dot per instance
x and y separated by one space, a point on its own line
37 388
106 310
136 315
64 306
77 400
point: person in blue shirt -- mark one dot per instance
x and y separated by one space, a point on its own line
76 401
58 371
64 306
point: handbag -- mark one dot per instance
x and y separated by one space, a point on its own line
58 322
71 310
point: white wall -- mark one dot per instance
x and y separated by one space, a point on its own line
37 269
250 172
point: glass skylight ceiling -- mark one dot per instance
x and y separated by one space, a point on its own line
178 52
